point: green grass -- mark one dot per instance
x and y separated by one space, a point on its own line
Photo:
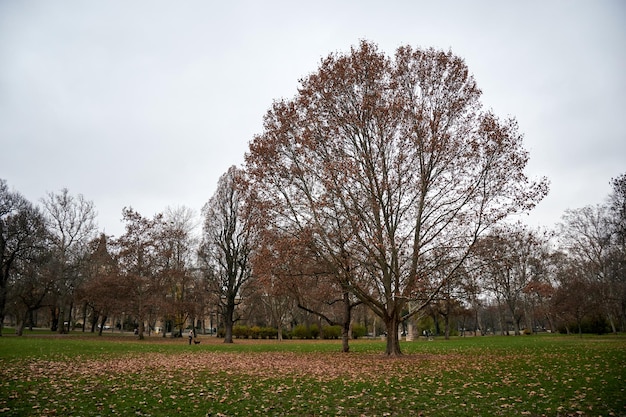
86 375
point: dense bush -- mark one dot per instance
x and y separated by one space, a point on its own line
241 332
254 332
358 330
314 330
268 333
331 332
301 332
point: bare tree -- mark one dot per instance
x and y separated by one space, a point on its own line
288 267
179 248
587 236
23 237
617 255
102 293
226 246
390 162
71 221
511 259
141 266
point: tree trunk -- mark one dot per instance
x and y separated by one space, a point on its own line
446 326
54 319
228 322
104 319
21 322
480 325
612 323
84 317
20 328
70 318
502 321
94 321
347 318
393 341
517 320
551 323
142 328
61 321
3 299
31 319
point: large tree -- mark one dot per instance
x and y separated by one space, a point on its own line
141 266
588 236
226 247
71 221
617 257
396 170
102 292
23 236
179 249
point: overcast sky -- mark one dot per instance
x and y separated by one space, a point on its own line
147 103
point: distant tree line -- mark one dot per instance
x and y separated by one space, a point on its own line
516 279
379 197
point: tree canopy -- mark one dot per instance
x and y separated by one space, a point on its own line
394 168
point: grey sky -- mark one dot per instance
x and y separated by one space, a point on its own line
147 103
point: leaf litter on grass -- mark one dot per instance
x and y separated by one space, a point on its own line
316 383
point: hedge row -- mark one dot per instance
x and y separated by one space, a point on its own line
298 332
255 332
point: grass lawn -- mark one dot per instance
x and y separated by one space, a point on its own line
87 375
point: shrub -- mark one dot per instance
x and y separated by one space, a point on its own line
241 332
254 332
314 331
301 332
331 332
358 330
268 333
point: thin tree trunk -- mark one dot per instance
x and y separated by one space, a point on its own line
612 323
347 318
53 319
3 298
84 317
104 319
69 319
446 326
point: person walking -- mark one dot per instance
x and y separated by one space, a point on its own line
191 335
